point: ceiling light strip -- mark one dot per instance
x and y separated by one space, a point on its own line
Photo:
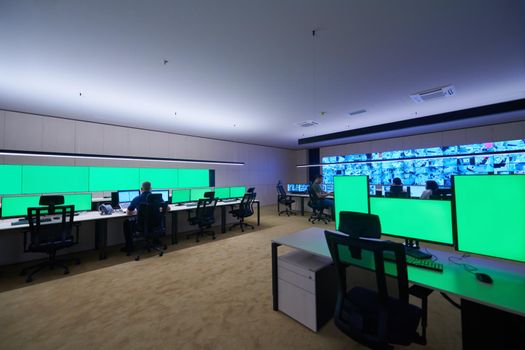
112 157
416 158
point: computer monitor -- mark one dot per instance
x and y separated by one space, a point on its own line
198 193
490 218
416 191
237 192
180 196
350 194
127 195
17 206
165 194
297 188
222 192
81 201
415 219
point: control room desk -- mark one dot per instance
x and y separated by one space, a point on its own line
101 222
302 197
491 314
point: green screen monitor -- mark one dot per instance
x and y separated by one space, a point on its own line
159 177
180 196
237 191
193 178
81 201
419 219
111 179
165 194
350 194
198 193
17 206
490 215
222 192
54 179
10 179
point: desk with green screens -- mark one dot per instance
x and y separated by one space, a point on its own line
350 194
419 219
490 215
17 206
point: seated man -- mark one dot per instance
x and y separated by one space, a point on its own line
325 202
397 186
129 224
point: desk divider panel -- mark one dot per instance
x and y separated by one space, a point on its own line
350 194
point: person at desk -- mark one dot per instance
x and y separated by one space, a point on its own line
397 186
316 186
430 188
129 223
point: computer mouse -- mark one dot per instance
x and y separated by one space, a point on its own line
483 277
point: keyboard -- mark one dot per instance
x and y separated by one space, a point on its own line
25 222
428 264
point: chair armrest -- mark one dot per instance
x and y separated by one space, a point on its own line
419 291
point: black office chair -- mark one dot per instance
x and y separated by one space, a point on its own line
372 317
317 207
396 194
210 194
49 238
250 190
358 225
204 218
285 200
151 224
244 210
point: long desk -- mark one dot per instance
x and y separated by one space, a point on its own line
302 196
491 313
101 223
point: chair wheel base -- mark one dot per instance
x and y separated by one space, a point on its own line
29 280
137 258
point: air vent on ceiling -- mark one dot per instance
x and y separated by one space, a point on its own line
358 112
445 91
308 123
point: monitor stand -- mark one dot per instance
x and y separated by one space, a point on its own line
412 249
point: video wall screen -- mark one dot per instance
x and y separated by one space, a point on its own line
455 160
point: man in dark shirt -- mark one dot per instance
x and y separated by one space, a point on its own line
325 202
129 224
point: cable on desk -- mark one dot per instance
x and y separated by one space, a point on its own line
458 261
434 258
447 298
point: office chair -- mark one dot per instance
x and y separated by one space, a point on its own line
372 317
317 207
358 225
250 190
397 194
151 224
244 210
284 199
49 237
210 194
204 218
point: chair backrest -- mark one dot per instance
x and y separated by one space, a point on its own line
210 194
205 211
151 215
250 190
347 251
397 194
48 233
280 190
246 205
314 200
359 224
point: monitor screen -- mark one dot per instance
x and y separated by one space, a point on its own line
222 192
165 194
180 196
416 191
237 192
490 215
198 193
297 188
127 196
17 206
81 201
425 220
350 194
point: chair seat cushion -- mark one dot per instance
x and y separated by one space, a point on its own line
51 245
361 312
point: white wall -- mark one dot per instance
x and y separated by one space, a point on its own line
497 132
264 166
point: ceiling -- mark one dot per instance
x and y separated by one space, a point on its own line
250 70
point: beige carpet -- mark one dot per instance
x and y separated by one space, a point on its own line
215 295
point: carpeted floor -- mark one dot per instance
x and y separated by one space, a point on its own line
212 295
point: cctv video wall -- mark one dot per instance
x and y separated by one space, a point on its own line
435 163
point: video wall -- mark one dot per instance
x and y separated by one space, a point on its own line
383 167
